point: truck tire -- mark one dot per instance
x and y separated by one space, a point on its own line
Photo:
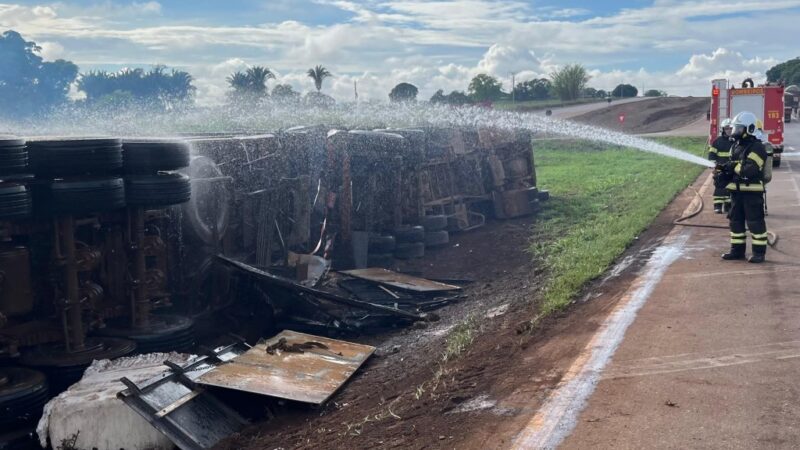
83 196
381 260
11 141
436 238
75 156
149 156
434 222
15 202
13 158
22 396
163 189
381 244
409 234
410 251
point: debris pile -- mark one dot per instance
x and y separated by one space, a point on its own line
114 246
290 366
89 414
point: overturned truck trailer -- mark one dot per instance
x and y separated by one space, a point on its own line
333 192
113 246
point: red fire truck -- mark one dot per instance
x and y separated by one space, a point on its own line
765 101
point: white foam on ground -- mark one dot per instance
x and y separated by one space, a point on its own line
90 408
476 404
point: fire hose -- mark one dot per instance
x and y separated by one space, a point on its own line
772 237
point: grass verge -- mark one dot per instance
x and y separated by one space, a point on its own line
601 199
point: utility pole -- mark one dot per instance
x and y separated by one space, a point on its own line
513 88
355 89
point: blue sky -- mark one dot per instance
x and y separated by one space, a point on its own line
675 45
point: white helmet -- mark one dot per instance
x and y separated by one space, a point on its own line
726 123
744 124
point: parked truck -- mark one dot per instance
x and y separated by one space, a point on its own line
766 101
791 101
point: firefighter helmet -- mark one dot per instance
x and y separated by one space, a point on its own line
759 124
744 124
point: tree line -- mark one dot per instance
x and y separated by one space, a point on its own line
566 84
788 72
250 86
29 85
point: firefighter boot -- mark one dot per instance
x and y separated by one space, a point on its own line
718 208
759 254
760 242
736 252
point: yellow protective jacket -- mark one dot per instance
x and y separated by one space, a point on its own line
720 150
749 155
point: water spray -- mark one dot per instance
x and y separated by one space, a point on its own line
270 117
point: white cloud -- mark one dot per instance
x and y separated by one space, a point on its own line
694 78
431 44
50 50
723 61
502 60
147 7
564 13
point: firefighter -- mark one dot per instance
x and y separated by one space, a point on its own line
743 176
720 152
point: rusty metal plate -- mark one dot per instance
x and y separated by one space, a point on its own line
399 280
310 374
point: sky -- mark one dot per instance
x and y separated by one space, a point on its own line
673 45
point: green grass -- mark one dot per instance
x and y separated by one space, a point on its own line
534 105
601 199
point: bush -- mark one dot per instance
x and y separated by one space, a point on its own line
655 93
624 91
485 88
569 81
404 92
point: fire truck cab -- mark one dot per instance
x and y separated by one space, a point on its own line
765 101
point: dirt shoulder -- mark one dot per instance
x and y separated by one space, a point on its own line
654 116
406 398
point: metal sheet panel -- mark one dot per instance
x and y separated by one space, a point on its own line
311 375
399 280
189 416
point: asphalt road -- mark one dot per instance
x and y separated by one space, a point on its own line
705 353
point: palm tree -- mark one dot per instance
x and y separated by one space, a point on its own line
318 74
238 81
257 77
95 84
